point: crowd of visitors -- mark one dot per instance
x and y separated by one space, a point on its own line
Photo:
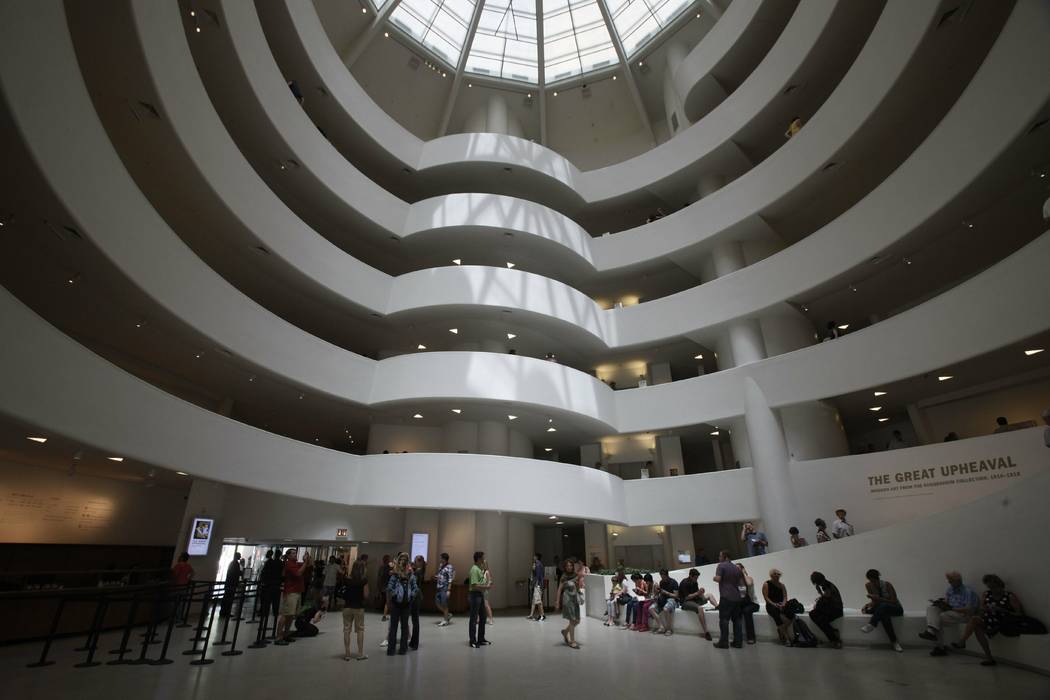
636 603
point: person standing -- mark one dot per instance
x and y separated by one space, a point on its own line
382 578
270 586
827 608
536 612
419 571
796 539
822 531
730 581
756 541
748 607
476 594
400 590
294 586
841 527
355 593
332 570
569 602
182 572
488 582
446 574
882 605
229 589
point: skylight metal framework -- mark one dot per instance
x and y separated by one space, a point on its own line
533 42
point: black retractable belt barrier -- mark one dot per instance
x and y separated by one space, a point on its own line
233 650
126 637
93 634
203 660
260 636
50 637
179 597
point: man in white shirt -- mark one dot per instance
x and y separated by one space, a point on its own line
841 528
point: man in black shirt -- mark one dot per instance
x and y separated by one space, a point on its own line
666 603
270 579
693 598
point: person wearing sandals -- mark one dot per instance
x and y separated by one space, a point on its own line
637 591
569 602
997 604
775 594
693 598
355 593
666 604
882 605
612 604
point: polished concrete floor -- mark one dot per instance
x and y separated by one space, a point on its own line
526 660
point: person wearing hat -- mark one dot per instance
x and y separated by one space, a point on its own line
841 528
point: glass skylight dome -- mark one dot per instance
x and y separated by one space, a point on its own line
511 38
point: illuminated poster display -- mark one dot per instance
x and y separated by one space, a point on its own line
200 536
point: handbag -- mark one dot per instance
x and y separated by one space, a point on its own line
793 607
1016 625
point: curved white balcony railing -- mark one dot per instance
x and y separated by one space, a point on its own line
849 116
734 45
313 54
52 383
464 286
63 142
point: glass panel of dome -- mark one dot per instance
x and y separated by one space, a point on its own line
638 21
505 43
575 39
440 25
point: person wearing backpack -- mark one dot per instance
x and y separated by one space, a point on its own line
401 589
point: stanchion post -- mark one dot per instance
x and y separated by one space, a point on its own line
94 633
50 637
203 660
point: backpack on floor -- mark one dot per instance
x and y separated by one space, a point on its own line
803 636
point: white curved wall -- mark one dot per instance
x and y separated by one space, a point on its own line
53 383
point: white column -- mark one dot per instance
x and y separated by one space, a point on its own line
738 441
206 499
519 445
775 492
491 538
493 438
521 545
746 342
497 121
595 542
669 455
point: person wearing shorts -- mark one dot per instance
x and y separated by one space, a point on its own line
294 586
355 593
443 579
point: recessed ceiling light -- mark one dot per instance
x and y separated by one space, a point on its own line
421 347
883 420
714 432
616 534
116 459
510 417
193 13
197 355
843 327
386 34
418 415
698 357
511 336
529 95
454 331
41 440
182 473
880 393
552 429
945 377
968 224
457 411
470 84
198 30
1033 351
251 378
907 261
552 517
510 265
364 10
614 77
457 261
555 93
548 449
302 396
559 522
875 408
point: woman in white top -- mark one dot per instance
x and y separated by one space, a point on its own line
488 582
